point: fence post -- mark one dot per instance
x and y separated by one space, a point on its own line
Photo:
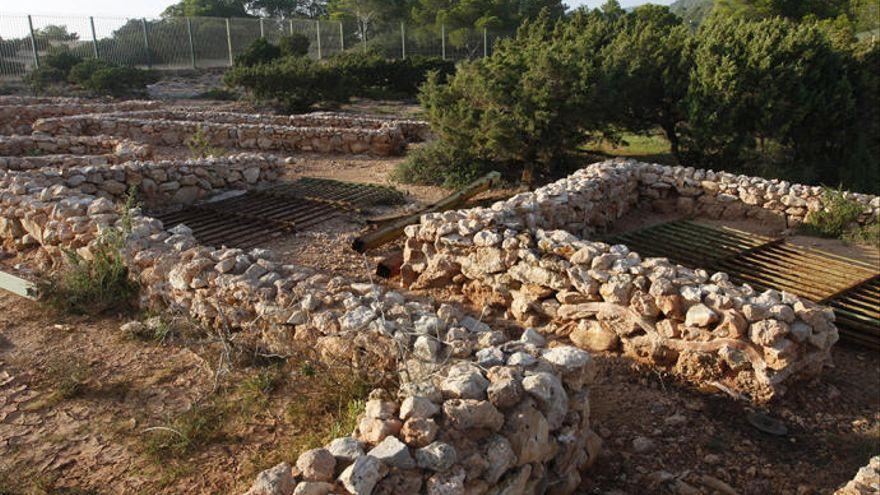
262 29
94 36
192 49
146 43
485 44
33 43
341 37
290 26
365 39
318 36
443 40
229 42
403 39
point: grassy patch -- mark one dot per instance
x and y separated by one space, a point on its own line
839 219
98 283
653 147
65 377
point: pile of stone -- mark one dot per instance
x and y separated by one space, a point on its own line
696 324
725 195
39 150
866 481
234 130
477 409
18 113
41 205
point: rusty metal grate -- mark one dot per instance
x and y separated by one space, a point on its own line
345 195
850 287
248 220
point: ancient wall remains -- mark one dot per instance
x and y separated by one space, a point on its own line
225 129
531 257
477 409
40 150
17 114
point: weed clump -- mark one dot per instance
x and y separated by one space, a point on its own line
839 219
97 283
199 144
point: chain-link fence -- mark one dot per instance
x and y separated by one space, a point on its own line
204 42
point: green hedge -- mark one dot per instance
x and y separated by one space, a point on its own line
297 83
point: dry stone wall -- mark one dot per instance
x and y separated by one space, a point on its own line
17 114
522 257
40 150
477 411
225 129
866 480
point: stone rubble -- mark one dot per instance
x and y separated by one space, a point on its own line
523 257
173 127
18 113
866 480
40 150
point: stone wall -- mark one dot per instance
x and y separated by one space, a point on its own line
224 129
477 409
516 257
159 183
17 114
40 150
866 480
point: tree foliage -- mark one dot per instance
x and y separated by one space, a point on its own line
767 96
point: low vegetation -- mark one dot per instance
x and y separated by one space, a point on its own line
99 77
839 220
97 282
285 76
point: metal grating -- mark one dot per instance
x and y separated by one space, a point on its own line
850 287
345 195
248 220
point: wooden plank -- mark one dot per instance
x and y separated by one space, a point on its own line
17 285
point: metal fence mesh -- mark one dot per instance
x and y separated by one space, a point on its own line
204 42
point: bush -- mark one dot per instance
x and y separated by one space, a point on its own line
298 83
294 45
104 78
839 216
54 68
429 165
97 284
524 109
257 53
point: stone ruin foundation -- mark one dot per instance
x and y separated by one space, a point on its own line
477 409
531 258
299 133
18 113
40 150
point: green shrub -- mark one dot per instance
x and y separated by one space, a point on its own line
294 45
96 284
839 216
429 165
298 83
105 78
257 53
54 68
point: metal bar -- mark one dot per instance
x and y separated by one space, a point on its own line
229 43
341 37
485 44
192 48
262 29
147 53
318 37
33 42
443 40
403 40
94 36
